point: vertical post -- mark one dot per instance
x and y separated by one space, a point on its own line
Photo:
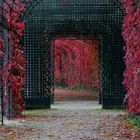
53 69
9 80
1 93
100 72
10 107
2 104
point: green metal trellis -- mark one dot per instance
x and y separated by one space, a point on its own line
46 20
74 17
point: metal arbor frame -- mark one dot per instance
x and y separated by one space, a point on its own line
1 97
2 27
6 6
49 19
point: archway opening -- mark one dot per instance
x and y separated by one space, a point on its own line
76 68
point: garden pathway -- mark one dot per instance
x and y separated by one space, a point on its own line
71 95
70 120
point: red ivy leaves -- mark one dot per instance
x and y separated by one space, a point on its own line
1 47
128 5
17 66
76 63
131 34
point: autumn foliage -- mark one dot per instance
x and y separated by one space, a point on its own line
76 63
131 34
14 71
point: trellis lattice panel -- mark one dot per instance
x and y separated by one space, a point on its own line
35 93
52 18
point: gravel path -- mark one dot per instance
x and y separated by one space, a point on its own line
71 124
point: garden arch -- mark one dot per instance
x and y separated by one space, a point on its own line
52 18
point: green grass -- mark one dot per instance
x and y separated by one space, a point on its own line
135 121
115 110
35 112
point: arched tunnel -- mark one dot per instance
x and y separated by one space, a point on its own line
48 22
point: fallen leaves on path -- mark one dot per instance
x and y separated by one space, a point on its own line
73 125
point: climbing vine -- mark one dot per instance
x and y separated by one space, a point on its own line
16 62
131 34
73 57
76 63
